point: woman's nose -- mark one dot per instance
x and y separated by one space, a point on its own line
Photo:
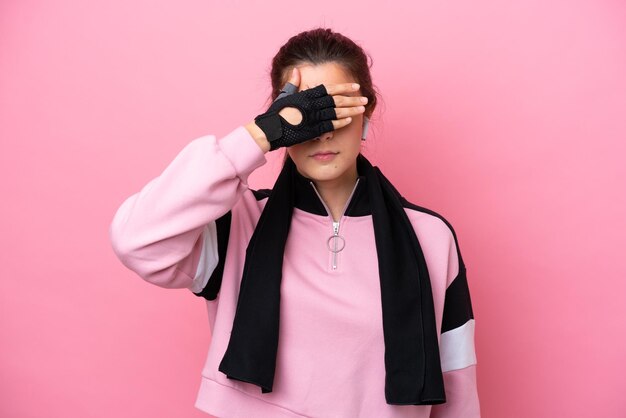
325 135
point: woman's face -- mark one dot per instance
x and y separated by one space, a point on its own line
345 141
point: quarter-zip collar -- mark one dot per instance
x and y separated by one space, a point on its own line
336 242
308 199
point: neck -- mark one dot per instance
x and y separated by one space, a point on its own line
336 192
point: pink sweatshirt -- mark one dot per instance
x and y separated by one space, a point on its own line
189 228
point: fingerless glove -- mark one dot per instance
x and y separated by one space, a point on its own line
318 111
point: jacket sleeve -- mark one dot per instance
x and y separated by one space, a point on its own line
458 355
167 232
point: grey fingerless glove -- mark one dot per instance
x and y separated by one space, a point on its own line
318 111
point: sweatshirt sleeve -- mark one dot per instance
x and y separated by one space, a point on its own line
166 232
458 355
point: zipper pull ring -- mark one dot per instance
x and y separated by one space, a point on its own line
337 239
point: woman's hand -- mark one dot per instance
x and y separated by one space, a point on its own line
325 108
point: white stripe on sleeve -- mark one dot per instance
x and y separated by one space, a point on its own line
208 258
457 347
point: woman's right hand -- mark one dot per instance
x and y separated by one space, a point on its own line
327 108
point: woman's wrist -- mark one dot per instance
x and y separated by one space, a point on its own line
259 136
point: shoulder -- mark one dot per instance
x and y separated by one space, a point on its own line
427 217
433 225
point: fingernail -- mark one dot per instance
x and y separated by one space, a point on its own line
355 86
293 72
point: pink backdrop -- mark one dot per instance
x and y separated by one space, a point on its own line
509 119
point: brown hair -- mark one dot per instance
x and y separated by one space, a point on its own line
318 46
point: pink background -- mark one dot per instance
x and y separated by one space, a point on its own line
508 119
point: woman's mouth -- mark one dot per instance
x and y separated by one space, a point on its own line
324 156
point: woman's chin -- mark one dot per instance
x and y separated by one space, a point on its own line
323 173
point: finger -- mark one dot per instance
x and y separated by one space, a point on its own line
293 82
325 126
334 89
287 89
291 86
323 102
326 114
344 112
349 101
315 92
340 123
295 76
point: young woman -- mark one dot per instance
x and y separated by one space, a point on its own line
329 295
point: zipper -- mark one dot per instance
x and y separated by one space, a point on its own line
336 238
